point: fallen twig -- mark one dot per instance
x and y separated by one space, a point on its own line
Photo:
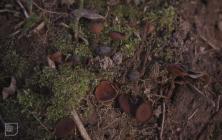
201 93
23 8
163 121
191 116
39 27
208 42
45 127
80 125
163 118
7 11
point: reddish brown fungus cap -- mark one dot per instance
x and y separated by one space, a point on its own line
117 36
96 27
124 103
144 112
105 91
64 127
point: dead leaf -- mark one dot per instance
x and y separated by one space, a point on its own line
51 63
88 14
55 59
177 70
196 75
117 35
9 91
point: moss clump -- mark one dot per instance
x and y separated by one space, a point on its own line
14 64
83 50
164 20
126 12
69 86
31 101
63 43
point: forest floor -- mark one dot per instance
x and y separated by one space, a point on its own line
132 69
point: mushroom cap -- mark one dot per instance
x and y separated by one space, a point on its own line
117 35
124 103
64 127
144 112
105 91
96 27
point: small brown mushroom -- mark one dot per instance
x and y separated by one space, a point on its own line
117 36
64 127
105 91
124 103
96 27
144 112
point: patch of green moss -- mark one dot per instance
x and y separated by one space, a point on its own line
31 101
126 12
63 43
164 20
14 64
69 87
83 50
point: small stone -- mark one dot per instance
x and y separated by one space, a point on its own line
106 63
118 58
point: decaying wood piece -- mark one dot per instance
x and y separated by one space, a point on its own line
80 126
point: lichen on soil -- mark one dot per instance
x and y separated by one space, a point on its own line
182 107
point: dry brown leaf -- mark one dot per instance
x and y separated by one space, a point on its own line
177 70
55 59
88 14
9 91
51 63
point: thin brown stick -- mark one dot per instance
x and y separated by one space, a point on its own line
43 125
23 8
80 125
201 93
163 121
208 42
7 11
163 118
39 27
